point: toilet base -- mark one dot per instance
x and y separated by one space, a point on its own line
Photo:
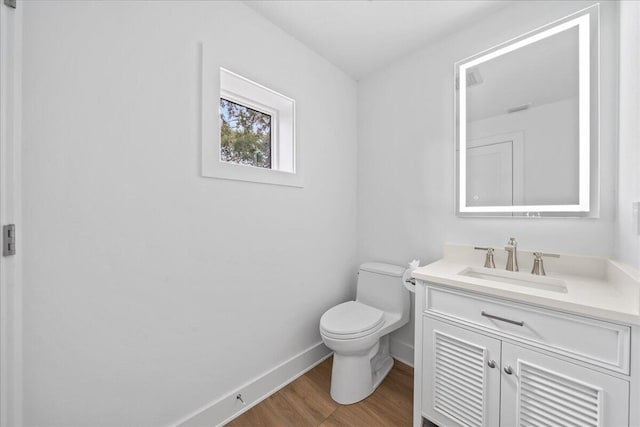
355 377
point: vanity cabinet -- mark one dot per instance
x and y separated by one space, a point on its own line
461 381
484 361
544 390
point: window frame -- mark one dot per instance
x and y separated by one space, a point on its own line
219 82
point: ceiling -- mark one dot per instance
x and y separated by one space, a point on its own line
362 36
537 74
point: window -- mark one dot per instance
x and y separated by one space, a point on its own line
245 135
251 136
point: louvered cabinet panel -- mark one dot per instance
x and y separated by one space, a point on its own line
459 386
545 391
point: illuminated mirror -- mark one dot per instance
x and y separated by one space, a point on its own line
527 123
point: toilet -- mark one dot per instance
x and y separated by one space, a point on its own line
358 331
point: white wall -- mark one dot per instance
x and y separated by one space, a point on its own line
627 228
406 151
150 291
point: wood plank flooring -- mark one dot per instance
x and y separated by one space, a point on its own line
306 403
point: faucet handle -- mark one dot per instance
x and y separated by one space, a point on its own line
512 241
488 261
538 265
544 254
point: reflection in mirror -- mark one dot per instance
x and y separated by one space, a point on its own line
525 117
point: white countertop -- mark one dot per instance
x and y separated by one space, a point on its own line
596 286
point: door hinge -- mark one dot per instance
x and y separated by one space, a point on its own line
10 3
9 240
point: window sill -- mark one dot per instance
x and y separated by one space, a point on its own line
224 170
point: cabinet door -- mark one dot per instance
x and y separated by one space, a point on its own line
461 376
545 391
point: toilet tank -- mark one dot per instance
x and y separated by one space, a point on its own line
380 285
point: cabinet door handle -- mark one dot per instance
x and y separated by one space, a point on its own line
491 364
502 319
508 370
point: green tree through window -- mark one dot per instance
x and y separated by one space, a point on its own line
245 135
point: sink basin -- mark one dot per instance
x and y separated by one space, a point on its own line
517 279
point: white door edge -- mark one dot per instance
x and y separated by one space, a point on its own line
10 203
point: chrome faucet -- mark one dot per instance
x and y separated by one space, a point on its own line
512 255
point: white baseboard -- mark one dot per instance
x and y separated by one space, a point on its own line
228 407
401 351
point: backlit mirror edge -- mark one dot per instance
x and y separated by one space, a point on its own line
587 21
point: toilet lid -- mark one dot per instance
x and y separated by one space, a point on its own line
351 318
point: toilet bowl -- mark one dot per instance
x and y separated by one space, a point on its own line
358 331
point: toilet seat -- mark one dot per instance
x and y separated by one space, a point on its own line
351 320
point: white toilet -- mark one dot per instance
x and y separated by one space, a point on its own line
358 331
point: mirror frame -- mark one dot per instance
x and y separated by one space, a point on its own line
587 22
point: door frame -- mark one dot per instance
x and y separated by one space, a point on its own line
517 160
10 213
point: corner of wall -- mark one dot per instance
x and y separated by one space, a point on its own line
627 236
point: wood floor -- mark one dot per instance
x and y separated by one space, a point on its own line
306 403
